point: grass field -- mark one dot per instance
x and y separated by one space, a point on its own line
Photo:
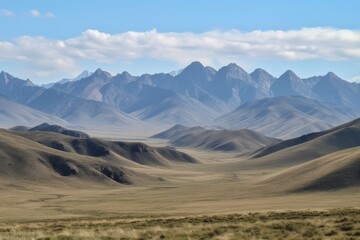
331 224
224 196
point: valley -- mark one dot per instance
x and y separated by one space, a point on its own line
155 147
208 182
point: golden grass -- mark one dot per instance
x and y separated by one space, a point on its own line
330 224
210 200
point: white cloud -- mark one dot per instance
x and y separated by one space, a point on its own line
51 55
37 13
6 13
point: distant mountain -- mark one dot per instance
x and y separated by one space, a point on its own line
12 113
334 90
172 109
289 84
234 86
82 75
193 80
175 72
76 110
285 117
18 90
88 87
197 95
241 141
82 112
158 98
264 81
222 90
119 91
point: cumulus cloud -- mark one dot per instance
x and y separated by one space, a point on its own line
37 13
93 45
6 13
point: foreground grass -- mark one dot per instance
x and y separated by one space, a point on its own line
332 224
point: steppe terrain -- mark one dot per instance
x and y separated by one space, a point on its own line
218 194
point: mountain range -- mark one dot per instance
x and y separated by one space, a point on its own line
198 95
286 117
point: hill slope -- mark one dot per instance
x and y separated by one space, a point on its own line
333 171
45 127
242 141
313 145
56 158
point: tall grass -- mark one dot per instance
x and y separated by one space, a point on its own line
332 224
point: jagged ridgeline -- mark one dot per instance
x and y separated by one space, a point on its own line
195 96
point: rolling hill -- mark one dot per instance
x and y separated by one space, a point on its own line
318 161
315 145
50 157
305 149
240 141
45 127
337 170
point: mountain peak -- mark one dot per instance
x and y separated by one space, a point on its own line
331 75
233 71
7 77
289 74
236 68
194 74
193 67
124 77
99 70
126 74
195 64
233 66
5 74
260 73
100 73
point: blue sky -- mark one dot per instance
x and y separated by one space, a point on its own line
47 40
